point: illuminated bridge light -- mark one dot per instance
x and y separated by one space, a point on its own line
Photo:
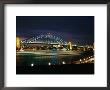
70 45
18 43
45 39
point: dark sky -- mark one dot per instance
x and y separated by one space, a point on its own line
78 29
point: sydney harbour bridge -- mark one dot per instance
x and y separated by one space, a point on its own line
46 45
46 40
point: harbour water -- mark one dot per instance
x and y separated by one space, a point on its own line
44 58
52 62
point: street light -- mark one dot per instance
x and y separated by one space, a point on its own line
63 62
49 63
32 65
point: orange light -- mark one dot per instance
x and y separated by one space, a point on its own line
17 42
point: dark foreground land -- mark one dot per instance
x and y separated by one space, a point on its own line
57 69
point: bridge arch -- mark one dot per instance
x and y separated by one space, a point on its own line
45 39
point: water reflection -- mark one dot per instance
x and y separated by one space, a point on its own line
54 58
31 59
28 59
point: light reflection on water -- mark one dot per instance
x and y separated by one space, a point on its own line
49 58
28 59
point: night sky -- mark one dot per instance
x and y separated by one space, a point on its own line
78 29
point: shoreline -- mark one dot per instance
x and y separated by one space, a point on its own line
48 52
